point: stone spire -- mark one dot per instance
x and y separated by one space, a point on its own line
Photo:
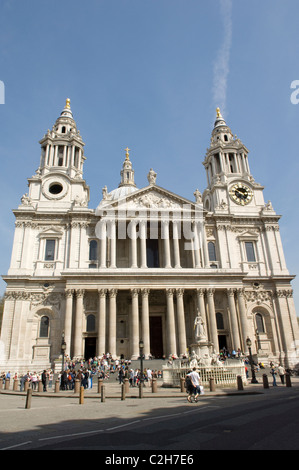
62 147
127 172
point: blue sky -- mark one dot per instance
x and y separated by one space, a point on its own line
148 74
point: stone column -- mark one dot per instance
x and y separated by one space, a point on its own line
133 244
170 322
135 324
68 320
165 237
143 229
181 322
112 321
176 246
145 327
233 319
212 319
205 248
103 244
243 318
196 246
78 324
112 244
101 346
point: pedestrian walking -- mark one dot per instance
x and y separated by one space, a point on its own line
44 380
281 373
273 373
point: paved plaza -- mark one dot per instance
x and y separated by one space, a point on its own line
54 417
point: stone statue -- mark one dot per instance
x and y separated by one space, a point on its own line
198 196
199 326
151 177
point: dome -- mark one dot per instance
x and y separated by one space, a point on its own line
121 192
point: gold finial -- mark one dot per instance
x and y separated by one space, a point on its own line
68 103
218 112
127 153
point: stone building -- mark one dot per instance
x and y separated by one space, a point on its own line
144 262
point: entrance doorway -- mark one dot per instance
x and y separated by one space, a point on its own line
156 337
90 348
222 342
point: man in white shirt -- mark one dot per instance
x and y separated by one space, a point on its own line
195 378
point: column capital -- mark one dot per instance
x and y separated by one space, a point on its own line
179 292
112 292
69 292
170 292
200 292
102 292
145 292
134 292
231 292
80 293
210 292
240 291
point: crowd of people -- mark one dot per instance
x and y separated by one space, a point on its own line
105 367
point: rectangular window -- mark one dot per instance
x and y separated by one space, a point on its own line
50 250
250 252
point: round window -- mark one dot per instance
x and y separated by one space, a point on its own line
55 188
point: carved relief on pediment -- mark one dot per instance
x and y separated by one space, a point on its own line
155 201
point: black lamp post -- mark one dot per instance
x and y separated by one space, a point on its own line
63 348
253 377
141 346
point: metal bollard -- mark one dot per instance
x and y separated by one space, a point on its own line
103 398
288 380
240 383
140 386
77 386
57 386
183 384
81 396
123 392
212 385
100 385
154 386
265 381
28 398
127 385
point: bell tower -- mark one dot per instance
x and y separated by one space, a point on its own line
230 184
58 182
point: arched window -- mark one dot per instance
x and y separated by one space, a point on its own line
44 327
93 250
259 323
212 251
90 323
219 321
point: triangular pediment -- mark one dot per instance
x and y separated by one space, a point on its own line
154 197
248 235
51 232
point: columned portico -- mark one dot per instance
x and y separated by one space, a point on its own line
112 293
170 322
135 324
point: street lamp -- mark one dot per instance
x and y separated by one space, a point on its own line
253 377
141 346
63 348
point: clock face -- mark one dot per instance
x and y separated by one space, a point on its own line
241 194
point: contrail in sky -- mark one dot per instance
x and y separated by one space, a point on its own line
221 65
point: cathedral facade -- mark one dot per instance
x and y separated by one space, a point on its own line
145 263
